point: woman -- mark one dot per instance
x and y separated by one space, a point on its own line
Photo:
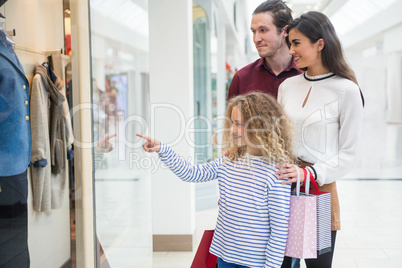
325 106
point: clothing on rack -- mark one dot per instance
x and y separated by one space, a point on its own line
52 137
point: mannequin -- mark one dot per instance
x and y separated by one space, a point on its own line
15 150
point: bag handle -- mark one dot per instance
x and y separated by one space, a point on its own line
297 181
307 182
309 178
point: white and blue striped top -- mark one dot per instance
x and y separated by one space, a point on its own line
252 224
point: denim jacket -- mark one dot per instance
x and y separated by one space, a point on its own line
15 131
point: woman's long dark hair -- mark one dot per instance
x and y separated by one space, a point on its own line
315 25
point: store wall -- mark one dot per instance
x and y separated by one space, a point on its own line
378 70
393 51
171 81
39 25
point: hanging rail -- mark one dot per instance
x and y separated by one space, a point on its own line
41 52
11 33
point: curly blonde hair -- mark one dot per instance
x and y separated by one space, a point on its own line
266 125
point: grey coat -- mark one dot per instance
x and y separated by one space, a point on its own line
47 187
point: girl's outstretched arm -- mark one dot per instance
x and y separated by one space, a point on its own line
151 145
183 169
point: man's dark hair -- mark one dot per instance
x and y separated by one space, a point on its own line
280 12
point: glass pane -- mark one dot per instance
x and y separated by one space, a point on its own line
206 194
120 93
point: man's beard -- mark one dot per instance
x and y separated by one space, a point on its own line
272 50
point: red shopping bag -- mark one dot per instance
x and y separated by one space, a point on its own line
202 258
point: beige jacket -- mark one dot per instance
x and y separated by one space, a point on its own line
47 187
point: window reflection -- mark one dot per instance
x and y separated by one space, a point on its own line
120 94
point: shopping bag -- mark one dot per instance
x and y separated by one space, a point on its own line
202 258
302 234
310 212
323 217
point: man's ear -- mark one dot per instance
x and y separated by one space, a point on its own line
320 44
284 31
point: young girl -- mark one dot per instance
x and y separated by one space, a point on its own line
326 109
252 224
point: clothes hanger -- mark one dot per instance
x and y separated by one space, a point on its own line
50 61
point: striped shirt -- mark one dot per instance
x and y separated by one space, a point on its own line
252 224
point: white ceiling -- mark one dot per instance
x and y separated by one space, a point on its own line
131 14
347 16
359 23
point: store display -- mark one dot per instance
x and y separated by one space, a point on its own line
15 149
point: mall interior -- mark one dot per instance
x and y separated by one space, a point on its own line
163 68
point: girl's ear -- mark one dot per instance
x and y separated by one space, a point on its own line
320 44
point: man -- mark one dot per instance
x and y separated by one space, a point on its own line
268 24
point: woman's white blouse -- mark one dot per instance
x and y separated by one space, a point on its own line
326 130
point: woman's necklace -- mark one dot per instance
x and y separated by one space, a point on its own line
318 77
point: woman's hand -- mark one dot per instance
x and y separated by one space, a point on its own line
151 145
288 171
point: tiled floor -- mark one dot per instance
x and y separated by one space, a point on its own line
371 235
205 220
